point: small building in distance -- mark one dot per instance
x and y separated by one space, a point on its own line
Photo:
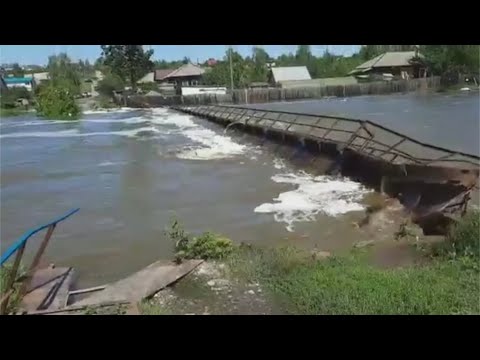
399 64
278 75
186 75
148 78
39 77
26 82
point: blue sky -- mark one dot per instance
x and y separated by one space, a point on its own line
38 54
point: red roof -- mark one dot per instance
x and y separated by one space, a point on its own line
162 74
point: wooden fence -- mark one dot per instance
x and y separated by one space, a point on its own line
255 96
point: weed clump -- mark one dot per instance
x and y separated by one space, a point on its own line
463 239
206 246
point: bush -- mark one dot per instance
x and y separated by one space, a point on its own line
57 103
109 84
206 246
463 238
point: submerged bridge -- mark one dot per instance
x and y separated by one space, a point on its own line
434 179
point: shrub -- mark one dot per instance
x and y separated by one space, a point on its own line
57 103
206 246
109 84
463 238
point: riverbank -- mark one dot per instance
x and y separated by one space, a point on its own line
13 112
288 280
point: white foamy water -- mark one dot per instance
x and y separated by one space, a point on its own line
131 120
214 146
313 196
180 121
278 163
108 111
76 133
111 163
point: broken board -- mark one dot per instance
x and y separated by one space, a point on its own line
142 284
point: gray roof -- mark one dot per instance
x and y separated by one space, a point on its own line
289 73
148 78
388 59
186 70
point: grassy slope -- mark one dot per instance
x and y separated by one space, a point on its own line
301 284
449 284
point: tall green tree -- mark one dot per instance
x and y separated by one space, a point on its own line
260 59
63 73
129 62
446 58
220 73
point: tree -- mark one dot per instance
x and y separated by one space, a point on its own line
129 62
63 73
17 71
259 69
447 58
109 84
220 73
186 60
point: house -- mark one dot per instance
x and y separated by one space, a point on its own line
160 76
185 75
149 78
399 64
26 82
278 75
39 77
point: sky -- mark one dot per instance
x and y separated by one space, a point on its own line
38 54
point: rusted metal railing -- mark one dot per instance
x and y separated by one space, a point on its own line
362 136
18 248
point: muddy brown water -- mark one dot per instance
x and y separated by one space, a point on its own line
130 171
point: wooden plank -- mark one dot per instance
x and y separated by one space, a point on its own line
48 289
142 284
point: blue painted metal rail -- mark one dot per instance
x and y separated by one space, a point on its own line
19 247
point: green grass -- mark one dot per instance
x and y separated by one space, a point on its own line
448 284
150 308
4 113
14 300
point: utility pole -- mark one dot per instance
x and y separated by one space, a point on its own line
231 68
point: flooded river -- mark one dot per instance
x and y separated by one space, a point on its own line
130 171
447 120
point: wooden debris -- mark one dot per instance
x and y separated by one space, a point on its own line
142 284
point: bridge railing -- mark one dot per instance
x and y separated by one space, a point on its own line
18 248
363 136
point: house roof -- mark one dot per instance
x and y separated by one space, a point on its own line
388 59
187 70
18 80
162 74
147 78
290 73
39 76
